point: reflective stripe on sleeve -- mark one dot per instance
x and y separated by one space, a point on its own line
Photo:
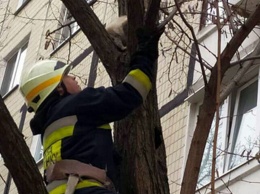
105 126
140 81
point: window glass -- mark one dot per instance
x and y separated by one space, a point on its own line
13 70
245 139
206 164
211 12
37 149
238 136
70 26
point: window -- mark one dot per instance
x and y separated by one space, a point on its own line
209 13
68 24
13 70
238 136
244 133
36 148
206 164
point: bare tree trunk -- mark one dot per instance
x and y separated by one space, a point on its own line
139 141
21 165
138 137
208 108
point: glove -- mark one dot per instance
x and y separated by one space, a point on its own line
148 43
147 50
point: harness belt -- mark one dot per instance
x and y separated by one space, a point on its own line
74 172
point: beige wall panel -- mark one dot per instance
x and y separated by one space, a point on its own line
174 127
3 178
174 123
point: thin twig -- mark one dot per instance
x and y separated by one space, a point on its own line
195 41
244 60
217 101
169 18
61 26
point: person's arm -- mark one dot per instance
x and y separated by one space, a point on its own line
104 105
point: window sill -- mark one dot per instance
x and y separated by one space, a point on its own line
233 176
206 32
21 7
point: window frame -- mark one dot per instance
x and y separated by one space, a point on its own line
224 112
68 30
231 140
228 131
37 148
58 43
12 80
208 12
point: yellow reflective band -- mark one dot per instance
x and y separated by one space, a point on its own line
62 122
140 81
105 126
141 77
82 184
42 86
52 154
58 135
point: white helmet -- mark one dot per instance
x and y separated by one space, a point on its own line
41 80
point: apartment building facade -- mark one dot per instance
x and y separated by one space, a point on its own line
237 161
31 31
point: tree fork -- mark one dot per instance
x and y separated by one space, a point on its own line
143 168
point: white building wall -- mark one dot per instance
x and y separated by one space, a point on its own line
244 178
30 24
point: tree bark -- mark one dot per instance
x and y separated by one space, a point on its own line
143 168
21 164
138 137
96 33
208 108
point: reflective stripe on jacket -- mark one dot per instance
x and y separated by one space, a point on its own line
76 126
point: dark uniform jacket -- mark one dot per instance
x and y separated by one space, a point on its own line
77 126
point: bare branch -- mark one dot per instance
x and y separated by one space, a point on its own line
195 41
48 33
238 38
135 10
244 60
169 17
97 35
214 157
249 61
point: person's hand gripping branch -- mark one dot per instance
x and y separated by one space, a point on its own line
147 49
148 42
